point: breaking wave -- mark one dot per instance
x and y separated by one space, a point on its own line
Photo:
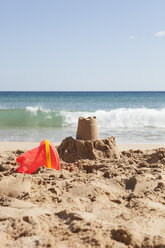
36 117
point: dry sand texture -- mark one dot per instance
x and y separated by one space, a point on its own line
100 198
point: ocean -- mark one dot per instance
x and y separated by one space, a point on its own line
131 117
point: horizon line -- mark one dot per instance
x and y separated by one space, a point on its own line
78 91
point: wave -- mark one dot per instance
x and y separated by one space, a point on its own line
32 117
123 118
36 117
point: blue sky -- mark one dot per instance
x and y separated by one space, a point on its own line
82 45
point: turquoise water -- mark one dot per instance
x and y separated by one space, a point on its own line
132 117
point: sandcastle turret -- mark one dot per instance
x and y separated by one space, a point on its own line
87 129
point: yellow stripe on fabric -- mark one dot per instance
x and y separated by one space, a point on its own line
48 153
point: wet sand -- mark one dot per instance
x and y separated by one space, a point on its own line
105 195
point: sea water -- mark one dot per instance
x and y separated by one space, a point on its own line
132 117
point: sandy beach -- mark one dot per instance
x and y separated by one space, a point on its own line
12 146
105 195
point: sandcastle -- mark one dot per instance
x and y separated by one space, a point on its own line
87 129
72 150
87 144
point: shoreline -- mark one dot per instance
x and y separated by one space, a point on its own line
12 146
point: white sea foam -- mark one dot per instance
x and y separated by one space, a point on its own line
120 118
71 118
35 109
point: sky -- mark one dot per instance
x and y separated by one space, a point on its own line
82 45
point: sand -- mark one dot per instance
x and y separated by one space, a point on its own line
12 146
105 195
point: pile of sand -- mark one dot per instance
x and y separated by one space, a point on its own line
72 150
115 200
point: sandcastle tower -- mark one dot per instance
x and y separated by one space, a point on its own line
87 129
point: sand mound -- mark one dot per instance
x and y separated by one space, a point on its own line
140 184
157 155
72 150
15 185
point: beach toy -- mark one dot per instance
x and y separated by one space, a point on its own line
87 129
44 155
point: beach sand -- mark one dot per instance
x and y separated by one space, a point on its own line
25 146
105 195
